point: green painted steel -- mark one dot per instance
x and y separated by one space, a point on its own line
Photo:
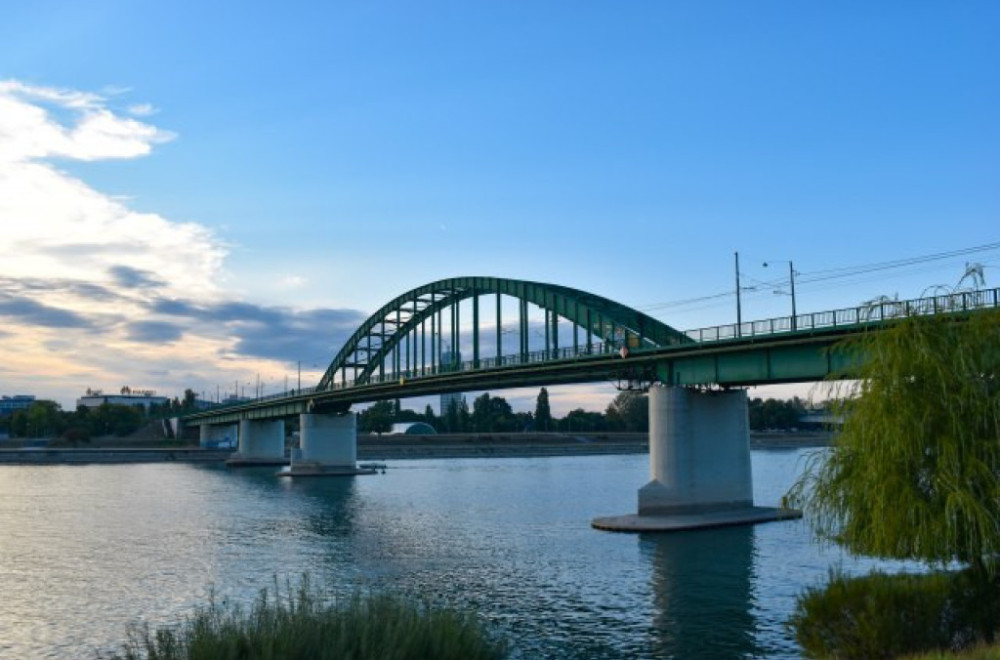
753 353
408 313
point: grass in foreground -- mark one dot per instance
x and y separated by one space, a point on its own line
302 625
978 653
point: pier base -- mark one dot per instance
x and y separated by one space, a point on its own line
328 447
260 443
699 458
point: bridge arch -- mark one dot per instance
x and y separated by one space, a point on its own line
386 344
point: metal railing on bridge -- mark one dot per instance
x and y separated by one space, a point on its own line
873 312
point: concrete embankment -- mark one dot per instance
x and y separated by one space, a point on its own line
62 455
459 445
466 445
400 447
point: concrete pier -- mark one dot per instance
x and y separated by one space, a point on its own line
699 462
217 435
260 443
328 446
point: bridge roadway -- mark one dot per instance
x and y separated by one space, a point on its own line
754 353
699 442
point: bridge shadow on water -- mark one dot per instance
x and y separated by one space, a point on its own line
703 593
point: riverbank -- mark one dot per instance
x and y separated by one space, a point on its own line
397 447
487 445
516 445
85 456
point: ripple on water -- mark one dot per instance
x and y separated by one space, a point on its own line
87 550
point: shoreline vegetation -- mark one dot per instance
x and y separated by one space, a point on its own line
299 623
388 447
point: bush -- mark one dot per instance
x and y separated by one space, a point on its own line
978 653
301 625
885 616
74 435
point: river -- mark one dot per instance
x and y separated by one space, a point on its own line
86 551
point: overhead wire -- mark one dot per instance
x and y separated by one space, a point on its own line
826 275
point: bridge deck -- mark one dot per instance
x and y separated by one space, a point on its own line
777 350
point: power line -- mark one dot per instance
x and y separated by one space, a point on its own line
834 273
830 274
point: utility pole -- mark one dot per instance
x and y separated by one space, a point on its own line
791 284
791 279
739 313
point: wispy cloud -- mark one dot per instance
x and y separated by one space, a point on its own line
142 110
135 278
275 333
93 292
154 332
292 281
30 129
29 312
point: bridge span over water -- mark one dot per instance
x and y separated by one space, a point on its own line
699 436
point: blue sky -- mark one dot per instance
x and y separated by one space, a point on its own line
284 170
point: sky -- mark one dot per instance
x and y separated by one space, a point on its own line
197 194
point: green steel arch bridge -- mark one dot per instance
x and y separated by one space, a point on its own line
699 438
408 347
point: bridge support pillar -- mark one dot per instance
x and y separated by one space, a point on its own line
699 464
328 446
260 443
699 452
211 436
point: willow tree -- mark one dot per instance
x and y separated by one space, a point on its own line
915 471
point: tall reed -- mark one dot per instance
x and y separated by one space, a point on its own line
298 623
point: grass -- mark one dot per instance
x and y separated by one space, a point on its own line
978 653
301 624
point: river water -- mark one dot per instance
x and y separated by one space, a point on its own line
85 551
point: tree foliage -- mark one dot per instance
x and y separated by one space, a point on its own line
775 414
628 411
492 414
543 414
915 471
581 421
377 418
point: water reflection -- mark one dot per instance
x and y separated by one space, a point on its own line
702 584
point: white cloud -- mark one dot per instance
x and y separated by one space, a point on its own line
142 109
30 128
293 282
80 266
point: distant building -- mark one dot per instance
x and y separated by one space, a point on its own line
412 428
128 397
820 420
8 404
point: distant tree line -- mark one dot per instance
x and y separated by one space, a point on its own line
493 414
776 414
628 411
47 419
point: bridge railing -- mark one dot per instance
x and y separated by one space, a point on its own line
873 312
